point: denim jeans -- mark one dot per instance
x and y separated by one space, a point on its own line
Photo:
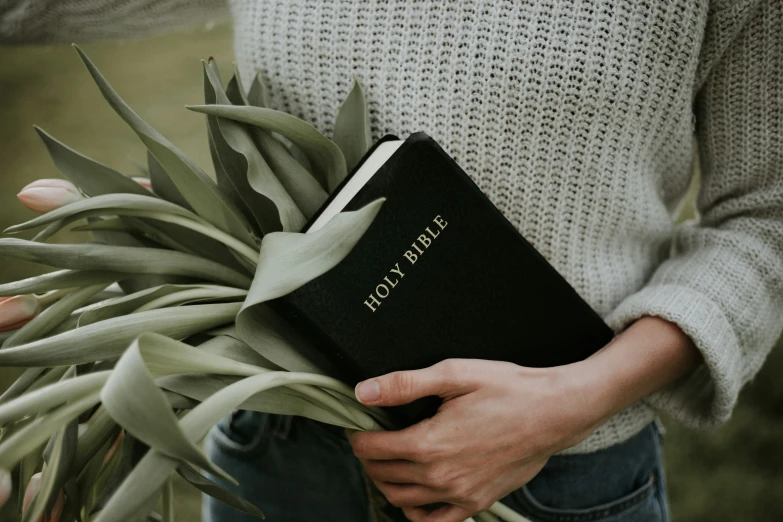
298 470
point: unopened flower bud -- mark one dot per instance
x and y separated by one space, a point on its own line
45 195
16 311
144 182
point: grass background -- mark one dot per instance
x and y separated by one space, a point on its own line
732 474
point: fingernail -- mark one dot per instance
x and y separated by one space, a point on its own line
5 486
368 391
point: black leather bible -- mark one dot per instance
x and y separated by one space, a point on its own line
439 274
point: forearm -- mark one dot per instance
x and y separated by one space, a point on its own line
646 357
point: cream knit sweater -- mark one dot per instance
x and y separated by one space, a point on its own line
576 117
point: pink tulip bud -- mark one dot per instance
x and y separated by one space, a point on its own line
144 182
16 311
45 195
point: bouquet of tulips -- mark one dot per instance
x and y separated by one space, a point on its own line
147 336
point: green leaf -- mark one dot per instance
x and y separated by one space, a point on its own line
129 260
132 302
100 431
274 339
194 185
234 90
21 384
258 94
162 185
203 294
51 317
216 491
108 339
237 350
154 468
295 178
247 170
168 501
112 225
92 178
49 477
133 400
324 155
108 204
288 260
59 279
123 305
26 440
352 127
48 397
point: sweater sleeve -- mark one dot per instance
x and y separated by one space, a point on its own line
65 21
724 287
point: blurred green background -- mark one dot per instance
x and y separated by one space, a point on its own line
732 474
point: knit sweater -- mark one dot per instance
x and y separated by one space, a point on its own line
576 118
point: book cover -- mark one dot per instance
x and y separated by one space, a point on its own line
441 273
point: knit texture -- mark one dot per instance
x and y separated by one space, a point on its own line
576 118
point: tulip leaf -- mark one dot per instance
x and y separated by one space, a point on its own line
133 400
194 185
322 152
217 491
109 338
131 260
235 91
258 94
304 189
27 439
287 261
127 304
262 193
352 127
52 395
51 317
162 185
49 477
237 350
295 178
154 468
59 279
108 204
92 178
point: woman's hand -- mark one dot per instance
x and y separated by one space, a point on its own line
497 427
500 423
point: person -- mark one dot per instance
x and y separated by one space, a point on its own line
576 118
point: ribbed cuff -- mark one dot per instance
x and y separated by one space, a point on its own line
705 398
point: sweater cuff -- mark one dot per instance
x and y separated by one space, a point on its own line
705 398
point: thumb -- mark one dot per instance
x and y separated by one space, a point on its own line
398 388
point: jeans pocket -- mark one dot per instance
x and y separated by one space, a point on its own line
244 432
640 504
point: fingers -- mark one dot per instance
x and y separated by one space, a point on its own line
444 379
5 487
394 471
447 513
408 495
385 445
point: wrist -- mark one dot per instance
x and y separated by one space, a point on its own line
643 359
